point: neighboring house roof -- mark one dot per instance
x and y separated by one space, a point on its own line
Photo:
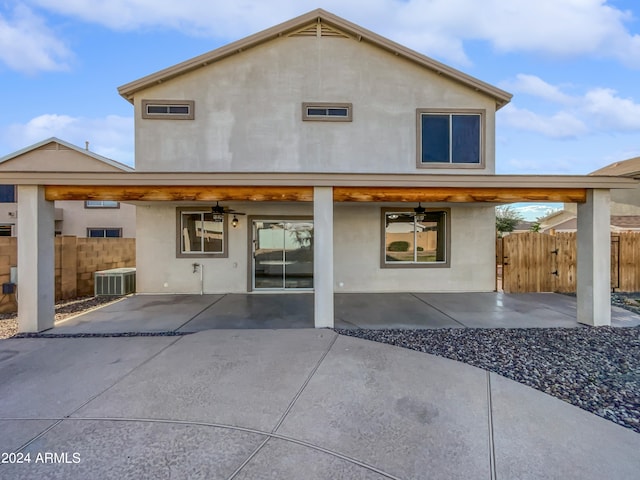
618 223
626 168
73 158
523 226
316 22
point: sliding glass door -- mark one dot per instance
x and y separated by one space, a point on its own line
282 254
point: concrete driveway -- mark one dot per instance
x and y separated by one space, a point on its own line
284 404
193 313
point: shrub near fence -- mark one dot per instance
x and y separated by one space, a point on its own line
76 260
537 262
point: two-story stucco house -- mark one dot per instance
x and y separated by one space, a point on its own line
317 156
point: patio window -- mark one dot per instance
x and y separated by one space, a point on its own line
411 241
449 138
200 234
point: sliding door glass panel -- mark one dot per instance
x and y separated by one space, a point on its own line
269 238
298 255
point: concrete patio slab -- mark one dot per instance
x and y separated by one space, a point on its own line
255 311
403 310
539 436
390 408
242 378
122 450
141 313
193 313
52 379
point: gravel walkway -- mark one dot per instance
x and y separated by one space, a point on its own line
597 369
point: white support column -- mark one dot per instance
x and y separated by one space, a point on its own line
323 256
36 281
594 259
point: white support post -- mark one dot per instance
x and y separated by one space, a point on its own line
323 256
594 259
36 276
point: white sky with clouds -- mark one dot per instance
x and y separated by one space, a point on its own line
572 65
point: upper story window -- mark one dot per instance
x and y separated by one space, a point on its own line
327 112
168 109
7 193
450 138
101 204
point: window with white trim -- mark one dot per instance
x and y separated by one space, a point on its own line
449 138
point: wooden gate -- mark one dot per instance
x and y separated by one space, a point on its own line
536 262
529 263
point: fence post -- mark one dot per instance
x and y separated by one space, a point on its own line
69 267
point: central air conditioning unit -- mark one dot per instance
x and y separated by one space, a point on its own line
117 281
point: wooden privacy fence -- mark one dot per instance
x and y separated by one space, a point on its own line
76 260
537 262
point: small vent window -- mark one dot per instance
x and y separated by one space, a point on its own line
168 109
328 112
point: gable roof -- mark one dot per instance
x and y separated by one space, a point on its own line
17 161
624 168
317 22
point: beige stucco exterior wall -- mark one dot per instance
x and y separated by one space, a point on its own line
248 112
356 253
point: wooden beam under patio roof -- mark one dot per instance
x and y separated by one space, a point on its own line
459 195
178 193
305 193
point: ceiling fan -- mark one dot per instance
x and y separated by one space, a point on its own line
218 212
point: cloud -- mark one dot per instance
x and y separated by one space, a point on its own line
612 112
110 136
597 110
28 45
535 86
559 125
562 28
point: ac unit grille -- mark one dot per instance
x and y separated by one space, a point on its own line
118 281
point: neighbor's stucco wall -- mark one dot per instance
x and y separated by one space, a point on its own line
73 219
76 218
356 253
248 112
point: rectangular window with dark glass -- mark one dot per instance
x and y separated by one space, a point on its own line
415 239
322 111
449 138
7 193
168 109
104 232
